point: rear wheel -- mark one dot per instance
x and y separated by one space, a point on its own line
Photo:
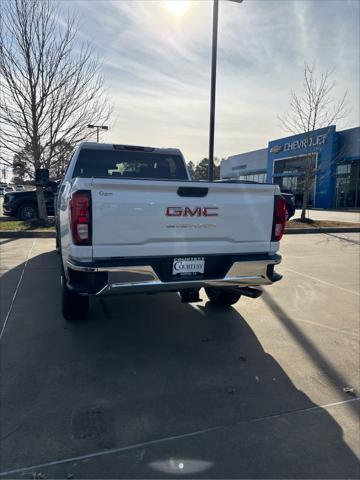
27 211
75 307
222 297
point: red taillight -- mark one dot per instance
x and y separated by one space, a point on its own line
279 219
80 217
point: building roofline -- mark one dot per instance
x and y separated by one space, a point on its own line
348 129
245 153
281 139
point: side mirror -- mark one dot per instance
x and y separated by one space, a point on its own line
41 177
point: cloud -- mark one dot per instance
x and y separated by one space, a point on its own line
157 67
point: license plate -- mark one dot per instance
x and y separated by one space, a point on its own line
188 266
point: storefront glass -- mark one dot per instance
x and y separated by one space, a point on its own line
295 185
292 178
291 165
348 185
254 177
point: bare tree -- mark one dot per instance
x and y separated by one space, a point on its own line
51 86
310 110
21 164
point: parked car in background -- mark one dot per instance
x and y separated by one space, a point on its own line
19 188
290 204
299 196
7 189
23 204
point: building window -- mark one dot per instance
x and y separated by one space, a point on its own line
343 169
254 177
292 165
348 185
289 175
294 185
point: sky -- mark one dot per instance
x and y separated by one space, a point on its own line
156 66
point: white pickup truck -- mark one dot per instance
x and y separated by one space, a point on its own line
130 220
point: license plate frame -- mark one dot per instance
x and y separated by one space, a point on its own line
188 266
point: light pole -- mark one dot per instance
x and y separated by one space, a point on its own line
98 127
213 86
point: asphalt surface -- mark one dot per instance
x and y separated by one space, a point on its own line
152 388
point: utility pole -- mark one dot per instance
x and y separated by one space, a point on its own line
213 89
98 127
213 85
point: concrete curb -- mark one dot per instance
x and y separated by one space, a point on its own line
14 234
288 231
293 231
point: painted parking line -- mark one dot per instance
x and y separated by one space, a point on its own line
16 290
328 327
322 281
135 446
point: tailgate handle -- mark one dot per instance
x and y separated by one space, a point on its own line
192 191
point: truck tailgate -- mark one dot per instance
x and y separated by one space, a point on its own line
136 218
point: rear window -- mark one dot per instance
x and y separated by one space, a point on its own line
129 164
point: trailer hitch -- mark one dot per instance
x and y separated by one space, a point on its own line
190 295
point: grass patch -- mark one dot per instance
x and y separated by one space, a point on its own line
33 225
297 223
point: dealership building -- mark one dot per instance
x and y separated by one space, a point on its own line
335 157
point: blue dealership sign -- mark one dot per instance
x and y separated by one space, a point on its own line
322 144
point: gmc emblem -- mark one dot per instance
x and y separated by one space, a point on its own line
191 212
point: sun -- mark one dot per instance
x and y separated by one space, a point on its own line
177 7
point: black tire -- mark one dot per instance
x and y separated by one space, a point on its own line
222 297
57 242
27 211
75 307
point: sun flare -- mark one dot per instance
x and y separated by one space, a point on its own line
177 7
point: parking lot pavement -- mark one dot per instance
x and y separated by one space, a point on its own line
153 388
333 215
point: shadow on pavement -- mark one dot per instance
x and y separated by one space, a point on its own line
154 388
308 346
7 240
344 239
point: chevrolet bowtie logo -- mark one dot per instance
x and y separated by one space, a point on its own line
276 149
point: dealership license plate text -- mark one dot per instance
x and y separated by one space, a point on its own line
188 266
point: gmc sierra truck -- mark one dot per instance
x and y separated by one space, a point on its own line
131 220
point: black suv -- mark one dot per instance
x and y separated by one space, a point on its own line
23 205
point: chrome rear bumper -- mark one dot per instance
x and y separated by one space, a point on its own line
143 278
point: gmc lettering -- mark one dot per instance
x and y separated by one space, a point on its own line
191 212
